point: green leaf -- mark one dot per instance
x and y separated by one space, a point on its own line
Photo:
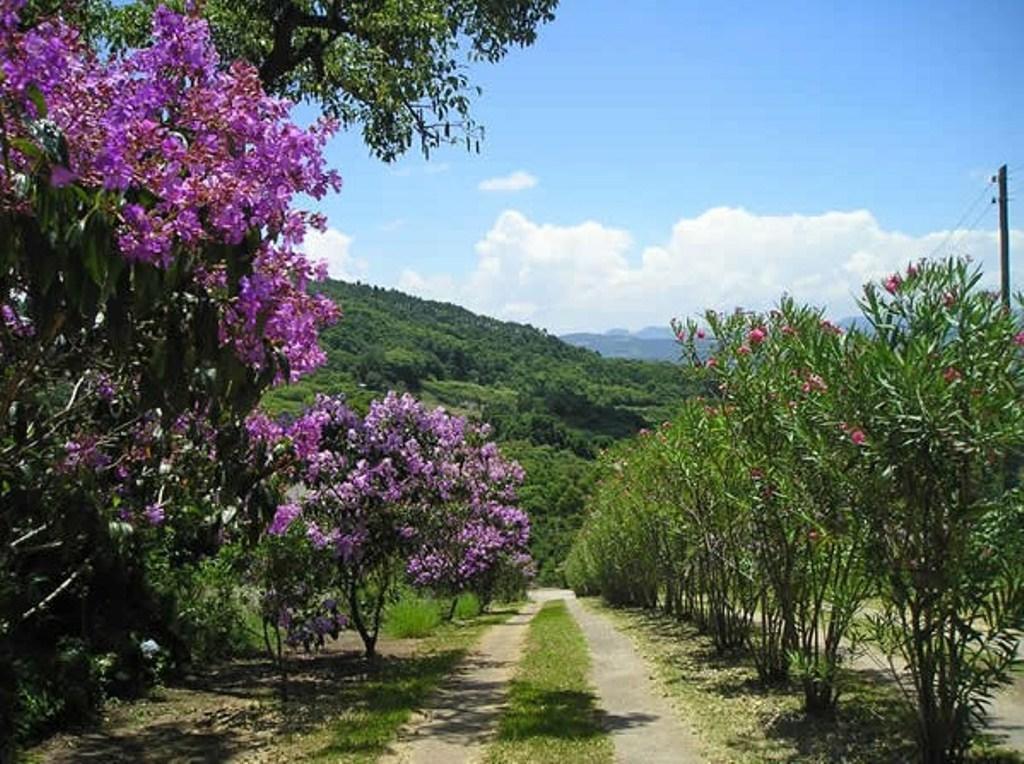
26 147
36 97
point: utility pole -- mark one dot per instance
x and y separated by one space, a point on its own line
1004 238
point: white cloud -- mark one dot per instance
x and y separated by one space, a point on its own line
591 276
333 247
520 180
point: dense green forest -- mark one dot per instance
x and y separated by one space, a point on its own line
554 405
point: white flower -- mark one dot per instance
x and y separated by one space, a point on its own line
149 648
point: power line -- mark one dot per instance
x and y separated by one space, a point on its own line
970 209
964 233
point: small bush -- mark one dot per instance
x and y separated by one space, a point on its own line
412 617
205 606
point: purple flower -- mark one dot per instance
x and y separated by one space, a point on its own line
105 387
154 514
61 176
221 159
283 518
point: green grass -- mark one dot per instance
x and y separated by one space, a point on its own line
412 617
467 607
371 710
552 715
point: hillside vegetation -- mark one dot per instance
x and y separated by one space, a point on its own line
554 405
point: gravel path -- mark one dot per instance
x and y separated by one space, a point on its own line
462 717
644 727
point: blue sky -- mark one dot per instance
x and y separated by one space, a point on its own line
689 156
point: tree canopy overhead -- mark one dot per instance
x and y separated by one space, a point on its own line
395 67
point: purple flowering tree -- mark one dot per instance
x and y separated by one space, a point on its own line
151 287
480 536
403 493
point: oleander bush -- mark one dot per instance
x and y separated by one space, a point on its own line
826 468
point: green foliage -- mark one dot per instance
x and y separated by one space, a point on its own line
396 68
554 495
467 606
207 609
69 689
528 384
828 469
412 617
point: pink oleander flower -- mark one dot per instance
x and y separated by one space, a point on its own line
951 375
814 383
1019 339
757 335
893 283
743 349
858 437
711 362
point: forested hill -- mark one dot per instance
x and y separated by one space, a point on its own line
551 404
527 383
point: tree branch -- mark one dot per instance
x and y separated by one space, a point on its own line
283 57
56 592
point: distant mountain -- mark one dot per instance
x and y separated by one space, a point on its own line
655 333
652 343
854 322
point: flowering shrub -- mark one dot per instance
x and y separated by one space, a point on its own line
937 399
401 492
826 467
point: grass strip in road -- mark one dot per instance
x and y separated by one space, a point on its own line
552 714
372 710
